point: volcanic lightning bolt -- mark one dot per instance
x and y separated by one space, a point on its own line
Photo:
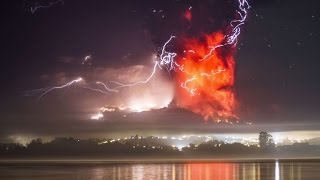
204 73
38 5
166 60
206 85
44 91
207 76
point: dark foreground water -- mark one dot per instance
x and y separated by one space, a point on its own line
148 171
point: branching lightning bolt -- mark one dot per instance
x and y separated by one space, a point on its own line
230 39
38 6
106 87
45 91
166 59
120 85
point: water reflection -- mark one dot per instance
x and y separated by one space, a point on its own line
209 171
276 170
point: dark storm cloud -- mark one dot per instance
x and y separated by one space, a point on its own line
274 68
168 18
256 3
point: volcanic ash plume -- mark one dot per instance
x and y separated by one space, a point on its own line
202 54
204 84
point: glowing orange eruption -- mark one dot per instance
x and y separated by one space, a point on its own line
206 79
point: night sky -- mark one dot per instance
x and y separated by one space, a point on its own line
277 79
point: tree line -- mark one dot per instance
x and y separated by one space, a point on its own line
151 147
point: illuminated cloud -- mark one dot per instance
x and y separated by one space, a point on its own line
157 93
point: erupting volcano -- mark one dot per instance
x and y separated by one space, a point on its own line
202 61
205 82
205 78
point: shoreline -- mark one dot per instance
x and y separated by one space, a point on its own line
151 161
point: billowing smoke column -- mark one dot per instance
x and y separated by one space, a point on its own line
206 70
205 83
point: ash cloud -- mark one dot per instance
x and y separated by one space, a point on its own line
207 16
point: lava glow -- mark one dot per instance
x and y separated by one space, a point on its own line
205 82
206 76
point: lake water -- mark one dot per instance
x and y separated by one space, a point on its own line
148 171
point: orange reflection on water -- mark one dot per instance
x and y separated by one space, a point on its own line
205 171
272 170
211 171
